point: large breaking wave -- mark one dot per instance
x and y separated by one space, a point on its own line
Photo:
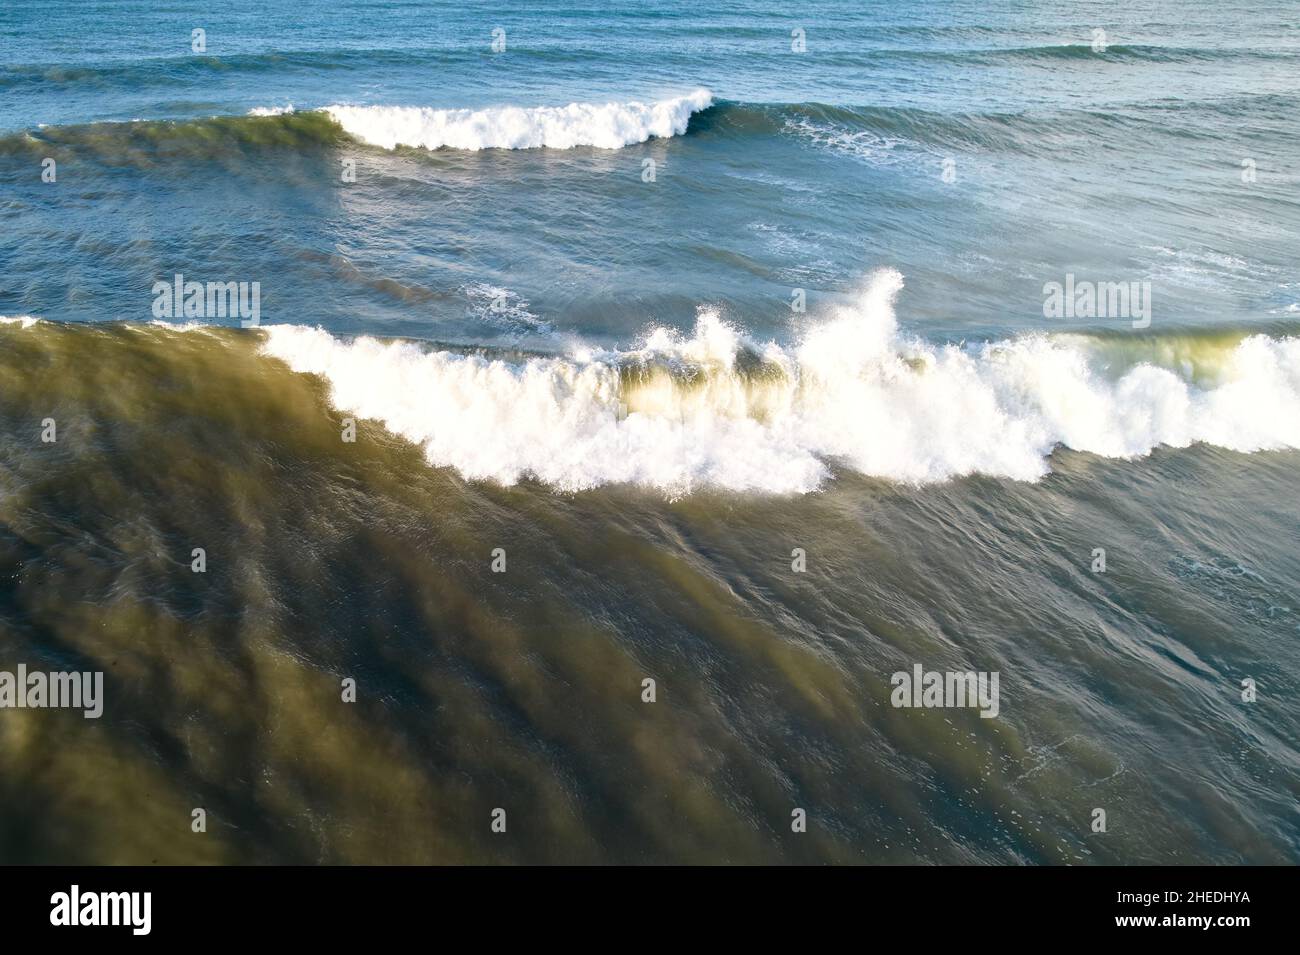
713 409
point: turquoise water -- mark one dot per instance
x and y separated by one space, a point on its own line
653 299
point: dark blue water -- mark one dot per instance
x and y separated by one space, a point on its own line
813 168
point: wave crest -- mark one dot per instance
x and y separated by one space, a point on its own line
712 409
605 126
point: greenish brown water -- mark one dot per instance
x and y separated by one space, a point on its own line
522 690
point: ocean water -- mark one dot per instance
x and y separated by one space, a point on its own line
596 345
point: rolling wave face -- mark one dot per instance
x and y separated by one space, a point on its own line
713 410
605 126
884 131
142 141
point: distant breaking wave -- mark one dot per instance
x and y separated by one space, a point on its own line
714 410
602 125
605 126
875 133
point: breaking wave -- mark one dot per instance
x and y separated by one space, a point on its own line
603 125
713 409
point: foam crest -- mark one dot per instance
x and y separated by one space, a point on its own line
713 409
604 125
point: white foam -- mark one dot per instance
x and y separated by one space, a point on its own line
271 110
860 144
688 411
26 321
604 125
503 308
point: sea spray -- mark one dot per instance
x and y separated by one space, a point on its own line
603 125
714 409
